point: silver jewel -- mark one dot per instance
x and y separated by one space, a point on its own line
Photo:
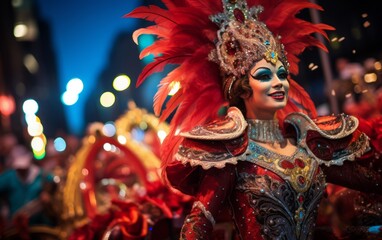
266 131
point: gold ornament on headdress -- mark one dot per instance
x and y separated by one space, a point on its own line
243 39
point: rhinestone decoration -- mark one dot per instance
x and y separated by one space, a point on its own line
243 39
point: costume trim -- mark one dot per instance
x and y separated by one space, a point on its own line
206 213
231 127
204 159
331 127
354 150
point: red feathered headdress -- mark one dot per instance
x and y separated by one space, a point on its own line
186 37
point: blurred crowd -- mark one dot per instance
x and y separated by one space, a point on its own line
28 186
358 87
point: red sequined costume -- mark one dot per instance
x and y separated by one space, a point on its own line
355 213
270 196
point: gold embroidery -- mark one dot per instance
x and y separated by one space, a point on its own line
297 169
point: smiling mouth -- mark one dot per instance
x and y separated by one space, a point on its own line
277 95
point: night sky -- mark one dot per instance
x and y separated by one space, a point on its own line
82 32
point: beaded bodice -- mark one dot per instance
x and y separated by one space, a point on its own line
282 192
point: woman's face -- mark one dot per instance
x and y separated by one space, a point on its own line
269 86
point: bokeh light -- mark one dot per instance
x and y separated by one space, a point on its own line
30 106
59 144
31 63
39 154
75 86
378 66
85 171
107 147
83 185
175 86
35 129
370 77
161 135
138 134
122 139
69 98
143 125
31 118
121 83
107 99
37 144
7 106
17 3
109 129
20 30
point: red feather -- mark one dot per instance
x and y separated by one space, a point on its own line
172 104
158 66
206 7
169 3
169 148
155 49
164 89
155 30
153 13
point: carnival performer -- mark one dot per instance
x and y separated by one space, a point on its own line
267 158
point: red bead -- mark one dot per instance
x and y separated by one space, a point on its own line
300 199
301 180
231 47
299 163
239 15
286 164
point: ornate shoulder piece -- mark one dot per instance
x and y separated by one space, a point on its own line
208 154
330 139
215 144
231 127
331 127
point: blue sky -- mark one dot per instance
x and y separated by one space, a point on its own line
82 34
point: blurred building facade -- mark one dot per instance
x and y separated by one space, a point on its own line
28 67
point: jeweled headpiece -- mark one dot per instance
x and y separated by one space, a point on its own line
243 39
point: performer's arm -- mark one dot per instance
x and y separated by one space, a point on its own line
363 174
210 201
